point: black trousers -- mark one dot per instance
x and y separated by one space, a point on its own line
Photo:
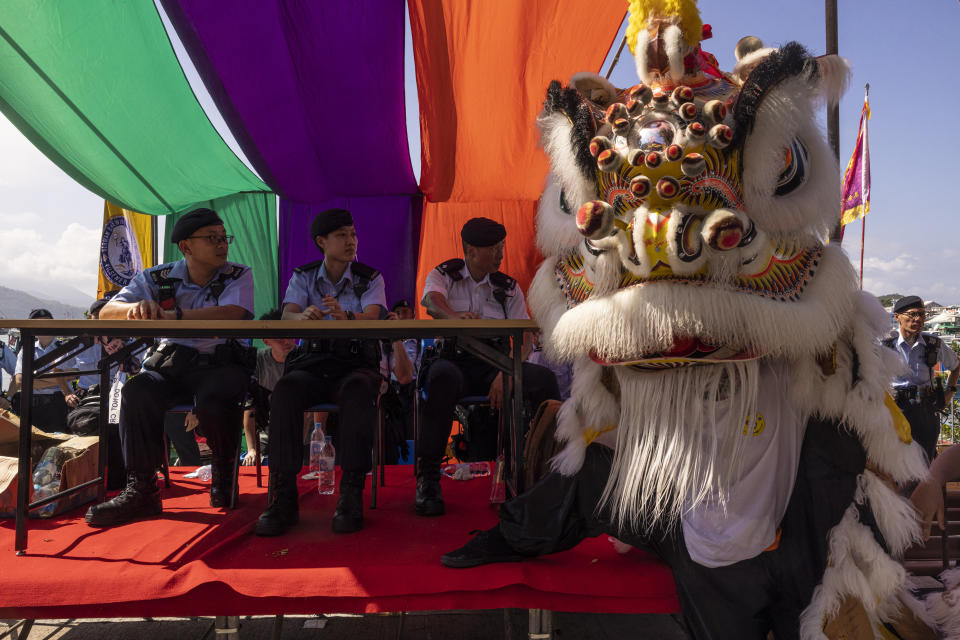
742 601
217 393
924 425
355 390
449 380
49 411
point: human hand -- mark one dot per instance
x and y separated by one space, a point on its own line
249 460
72 400
392 316
469 315
333 308
927 499
5 404
146 310
496 392
191 422
313 313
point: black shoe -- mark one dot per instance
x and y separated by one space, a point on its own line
348 518
487 547
283 508
429 499
139 499
221 483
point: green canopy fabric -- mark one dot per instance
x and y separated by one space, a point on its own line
97 87
252 219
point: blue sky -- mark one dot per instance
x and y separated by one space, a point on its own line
51 225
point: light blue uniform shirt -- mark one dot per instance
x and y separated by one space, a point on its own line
237 291
86 360
915 357
8 359
309 287
37 352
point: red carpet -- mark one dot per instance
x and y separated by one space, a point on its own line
196 560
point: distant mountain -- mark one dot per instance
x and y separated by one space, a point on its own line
18 304
888 299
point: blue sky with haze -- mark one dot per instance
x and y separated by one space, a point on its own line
50 225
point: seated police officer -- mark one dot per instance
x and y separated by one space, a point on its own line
469 288
918 395
208 372
51 397
343 371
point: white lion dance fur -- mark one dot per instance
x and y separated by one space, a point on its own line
723 240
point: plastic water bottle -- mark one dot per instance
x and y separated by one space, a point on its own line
316 446
204 473
327 476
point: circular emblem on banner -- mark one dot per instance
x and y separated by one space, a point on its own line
119 253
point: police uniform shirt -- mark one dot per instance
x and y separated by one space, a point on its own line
915 357
237 291
8 359
87 360
310 286
37 352
466 294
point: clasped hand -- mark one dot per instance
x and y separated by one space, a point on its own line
331 307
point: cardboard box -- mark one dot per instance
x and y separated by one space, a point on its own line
80 465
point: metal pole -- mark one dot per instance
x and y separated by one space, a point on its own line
833 111
616 58
154 225
25 467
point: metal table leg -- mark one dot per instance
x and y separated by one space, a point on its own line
24 472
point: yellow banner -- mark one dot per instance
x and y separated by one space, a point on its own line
126 247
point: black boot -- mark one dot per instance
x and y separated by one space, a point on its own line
283 507
139 499
222 484
349 514
485 548
429 500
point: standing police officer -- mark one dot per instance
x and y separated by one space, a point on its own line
209 372
918 397
469 288
323 370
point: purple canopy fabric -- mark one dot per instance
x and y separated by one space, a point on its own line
313 91
388 235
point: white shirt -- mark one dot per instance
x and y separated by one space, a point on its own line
915 357
466 294
716 537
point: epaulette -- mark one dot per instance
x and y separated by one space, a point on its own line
236 271
310 266
160 276
363 270
502 281
452 268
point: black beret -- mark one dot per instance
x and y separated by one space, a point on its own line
97 305
40 313
196 219
907 302
330 220
482 232
400 304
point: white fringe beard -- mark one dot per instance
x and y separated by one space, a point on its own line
671 454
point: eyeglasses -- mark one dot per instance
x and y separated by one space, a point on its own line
214 240
914 315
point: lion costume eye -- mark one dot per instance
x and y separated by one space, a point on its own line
794 172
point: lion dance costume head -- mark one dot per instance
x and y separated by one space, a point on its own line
684 226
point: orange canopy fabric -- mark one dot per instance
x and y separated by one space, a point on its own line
482 73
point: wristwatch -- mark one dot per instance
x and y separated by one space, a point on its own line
351 315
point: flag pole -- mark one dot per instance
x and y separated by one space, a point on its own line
863 220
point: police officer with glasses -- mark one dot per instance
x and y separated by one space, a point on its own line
918 394
342 371
211 373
